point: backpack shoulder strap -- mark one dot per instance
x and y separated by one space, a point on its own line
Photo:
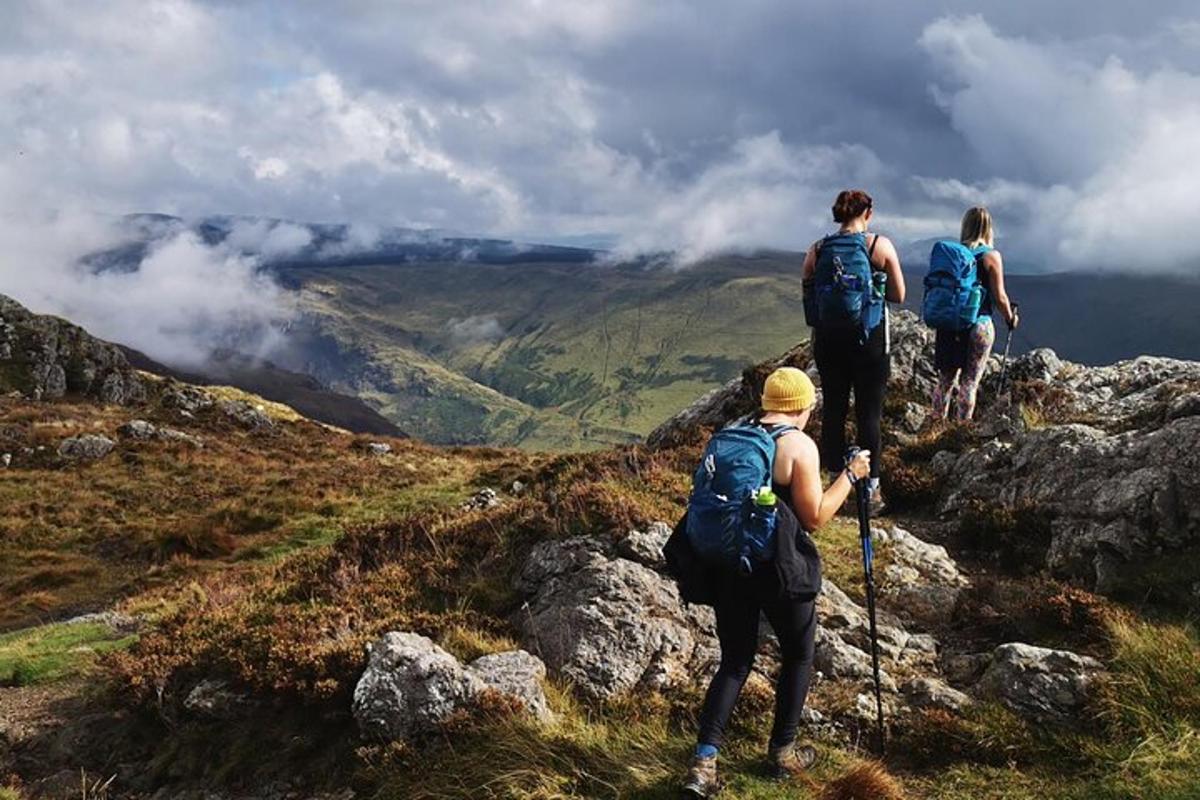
871 249
781 430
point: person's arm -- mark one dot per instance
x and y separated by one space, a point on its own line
810 262
995 279
887 259
813 506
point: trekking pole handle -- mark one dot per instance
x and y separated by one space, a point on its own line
851 454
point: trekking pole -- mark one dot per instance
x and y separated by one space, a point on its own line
1004 360
862 491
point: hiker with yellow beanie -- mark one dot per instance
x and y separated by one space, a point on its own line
767 587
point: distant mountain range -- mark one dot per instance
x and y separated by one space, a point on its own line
456 339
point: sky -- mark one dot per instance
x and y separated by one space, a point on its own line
695 126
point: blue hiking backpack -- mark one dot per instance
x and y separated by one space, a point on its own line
845 296
953 292
722 525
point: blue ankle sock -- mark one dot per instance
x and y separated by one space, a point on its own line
705 750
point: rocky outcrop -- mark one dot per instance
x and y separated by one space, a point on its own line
141 430
610 625
411 686
46 358
934 693
248 416
86 447
1047 685
1107 500
482 500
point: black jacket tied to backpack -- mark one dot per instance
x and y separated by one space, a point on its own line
797 564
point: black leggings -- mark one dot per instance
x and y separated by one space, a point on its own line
739 601
846 365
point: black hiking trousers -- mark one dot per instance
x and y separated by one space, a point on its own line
738 603
845 366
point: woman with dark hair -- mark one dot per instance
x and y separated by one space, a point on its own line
961 355
849 277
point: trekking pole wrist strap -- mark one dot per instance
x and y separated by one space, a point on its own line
850 476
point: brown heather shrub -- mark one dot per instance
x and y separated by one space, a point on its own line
1043 610
1020 535
300 628
906 484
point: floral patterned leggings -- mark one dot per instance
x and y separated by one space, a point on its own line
979 347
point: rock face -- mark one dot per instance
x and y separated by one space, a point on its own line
610 625
1048 685
88 447
934 693
45 358
411 685
1108 499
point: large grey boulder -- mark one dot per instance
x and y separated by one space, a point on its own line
410 687
609 625
516 674
86 447
1047 685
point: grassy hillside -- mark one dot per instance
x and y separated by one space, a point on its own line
541 355
270 560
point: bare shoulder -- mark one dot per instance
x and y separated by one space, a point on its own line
883 245
797 444
992 259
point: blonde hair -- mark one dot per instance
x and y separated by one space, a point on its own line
977 227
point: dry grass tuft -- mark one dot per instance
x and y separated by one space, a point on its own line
867 781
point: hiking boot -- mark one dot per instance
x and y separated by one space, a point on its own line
701 779
790 760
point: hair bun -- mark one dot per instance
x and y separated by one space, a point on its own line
850 204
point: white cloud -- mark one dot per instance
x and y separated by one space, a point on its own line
474 329
184 300
1103 154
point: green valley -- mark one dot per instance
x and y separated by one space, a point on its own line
540 354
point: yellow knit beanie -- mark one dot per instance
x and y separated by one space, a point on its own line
789 390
